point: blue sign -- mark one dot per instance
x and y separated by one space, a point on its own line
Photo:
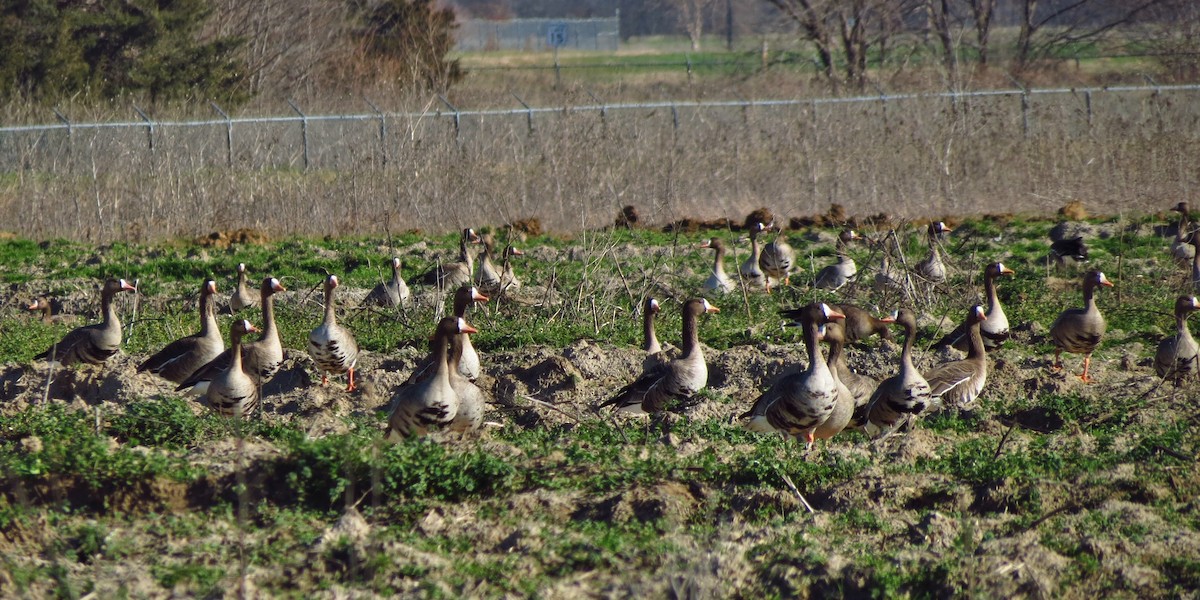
556 35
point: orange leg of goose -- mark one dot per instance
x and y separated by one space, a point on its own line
324 379
1057 366
1087 361
351 387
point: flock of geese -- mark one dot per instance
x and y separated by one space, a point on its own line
818 402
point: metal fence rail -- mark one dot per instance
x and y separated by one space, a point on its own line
302 140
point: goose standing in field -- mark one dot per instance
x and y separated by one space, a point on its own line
777 260
1078 330
43 305
431 402
674 383
331 346
455 274
718 281
1182 249
1068 251
508 278
487 276
232 391
1178 357
995 329
469 416
656 354
750 271
956 384
932 269
393 293
889 280
838 274
92 344
860 386
847 399
241 296
905 393
260 359
799 403
468 362
179 359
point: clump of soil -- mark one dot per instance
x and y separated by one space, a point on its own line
690 225
225 239
628 217
528 226
1074 211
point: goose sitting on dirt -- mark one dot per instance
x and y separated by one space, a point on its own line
241 296
750 272
1078 330
44 306
92 344
458 273
1178 356
717 282
331 346
995 329
932 269
905 393
393 293
431 402
1068 251
179 359
835 276
1182 250
799 404
777 260
956 384
674 384
232 391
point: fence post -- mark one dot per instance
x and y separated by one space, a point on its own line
882 106
675 117
382 130
303 131
1087 100
228 134
70 132
603 110
528 113
1024 105
457 117
688 61
1154 98
149 128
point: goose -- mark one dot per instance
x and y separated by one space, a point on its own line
1196 262
844 408
718 282
799 403
655 353
905 393
260 359
182 357
1078 330
1181 248
932 269
860 386
331 346
487 277
1068 251
92 344
888 280
232 391
469 416
835 276
857 324
431 402
508 278
458 273
958 383
1178 357
393 293
777 259
750 270
468 364
241 296
674 383
43 305
995 329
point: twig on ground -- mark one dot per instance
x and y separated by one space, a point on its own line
788 480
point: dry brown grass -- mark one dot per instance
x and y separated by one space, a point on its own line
573 171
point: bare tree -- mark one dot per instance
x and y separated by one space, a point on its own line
982 12
940 20
854 26
1062 24
692 15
